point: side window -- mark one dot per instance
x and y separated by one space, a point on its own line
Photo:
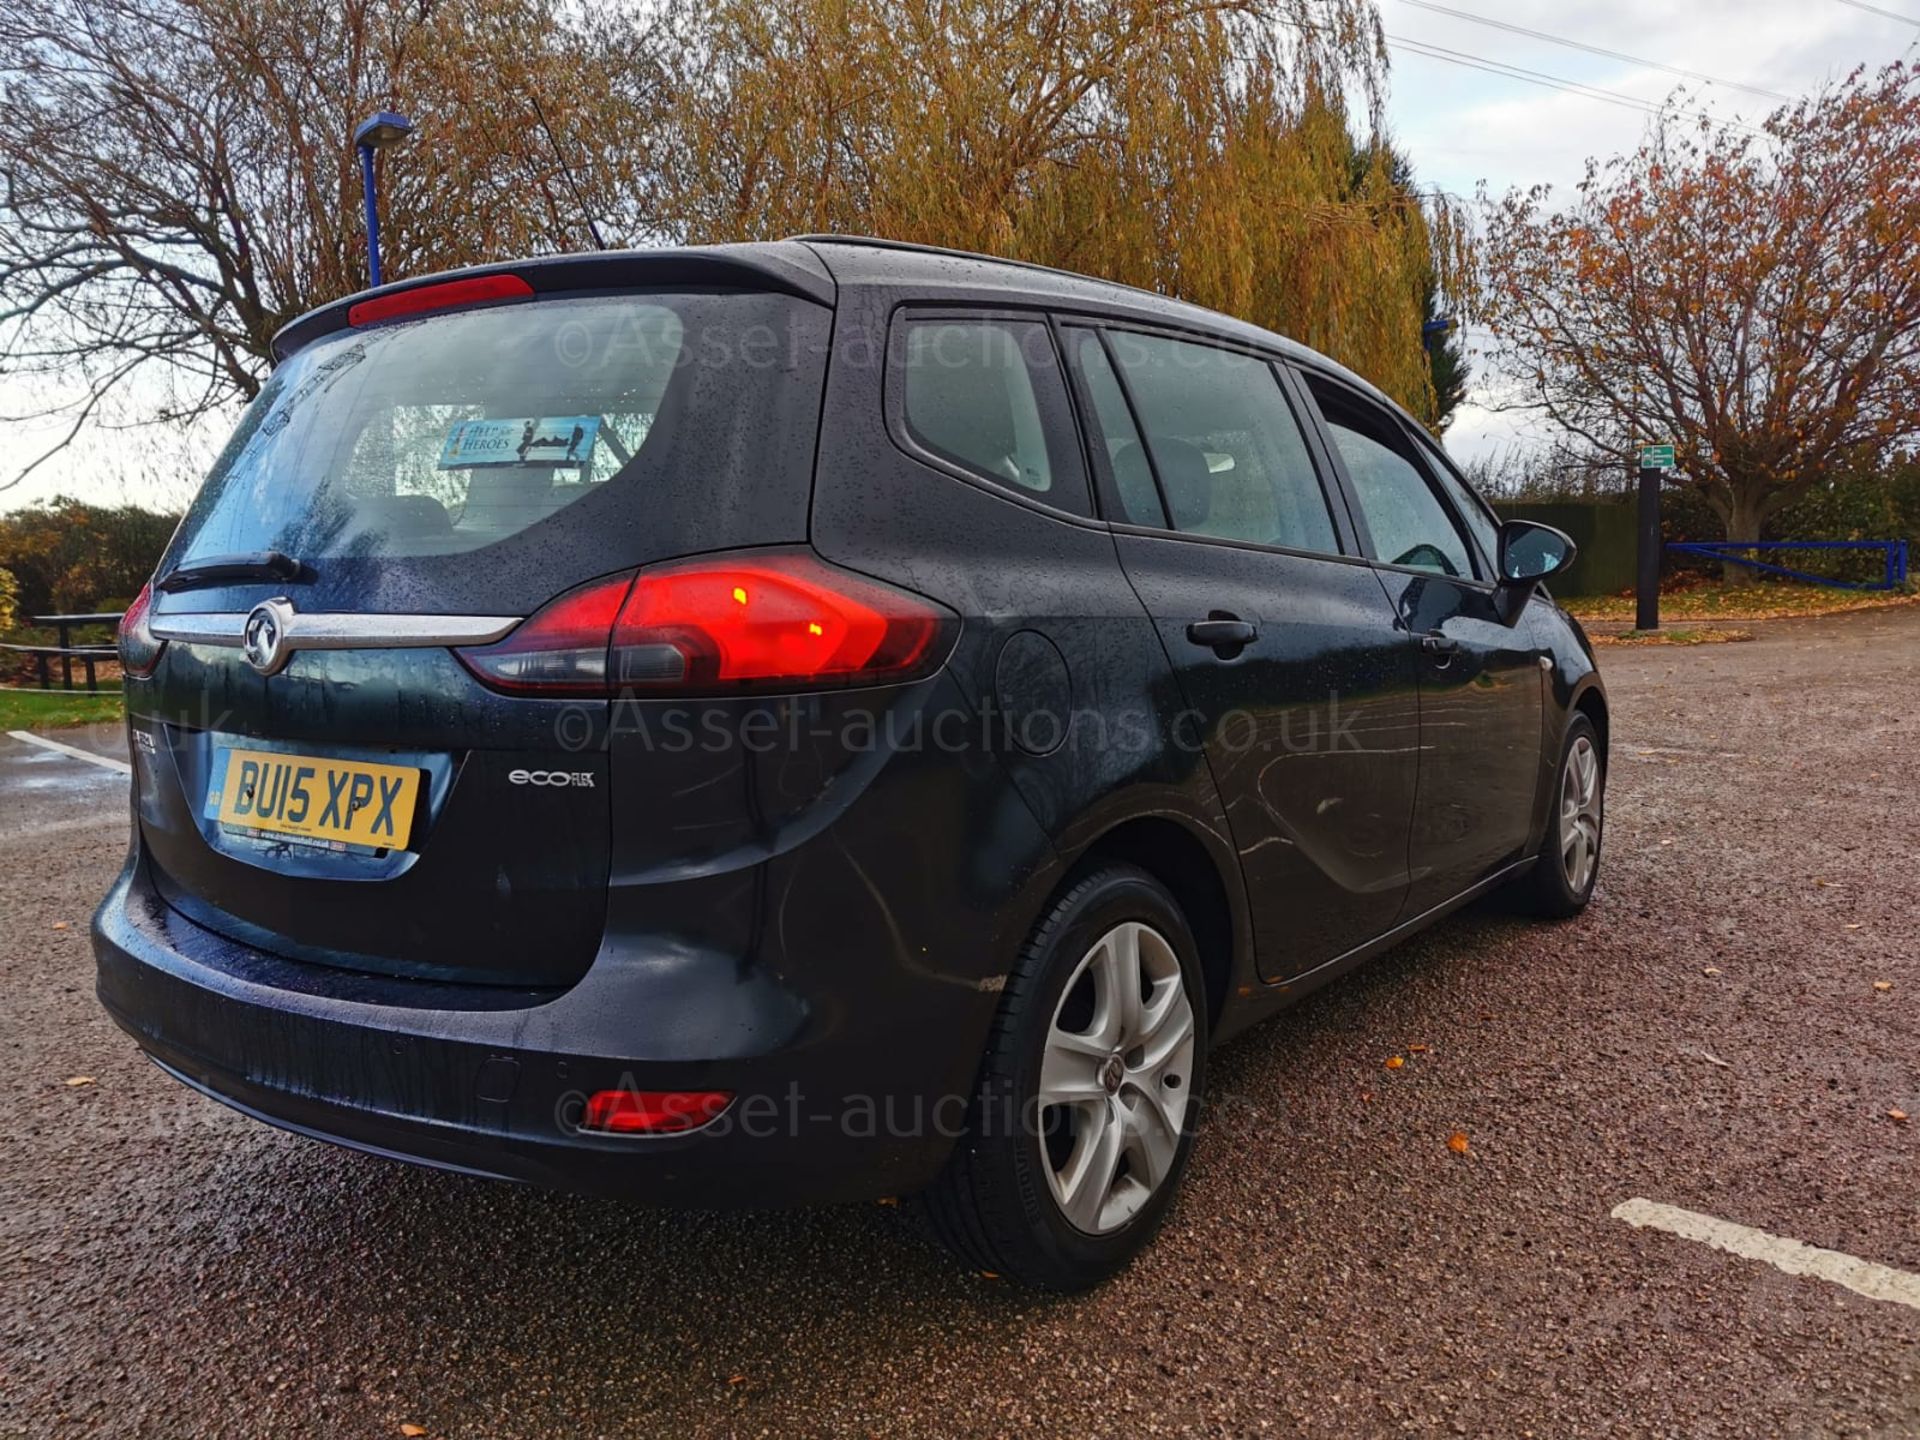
1126 458
987 396
1408 522
1230 456
1482 524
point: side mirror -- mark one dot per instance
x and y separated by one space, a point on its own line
1530 553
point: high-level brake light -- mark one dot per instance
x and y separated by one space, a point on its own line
474 290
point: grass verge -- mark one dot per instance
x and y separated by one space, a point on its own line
1672 637
52 709
1767 600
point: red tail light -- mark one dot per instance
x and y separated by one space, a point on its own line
474 290
653 1112
758 620
139 650
560 651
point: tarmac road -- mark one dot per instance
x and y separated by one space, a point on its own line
1708 1036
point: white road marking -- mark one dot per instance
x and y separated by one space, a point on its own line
1863 1277
75 751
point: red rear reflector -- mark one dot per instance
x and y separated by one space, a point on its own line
757 620
475 290
653 1112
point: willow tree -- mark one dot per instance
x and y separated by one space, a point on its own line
1199 149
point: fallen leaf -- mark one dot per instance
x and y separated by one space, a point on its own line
80 1080
1713 1059
1899 1117
1854 926
1457 1142
1417 1049
989 1274
413 1430
1394 1062
1366 1097
1883 984
59 924
1711 970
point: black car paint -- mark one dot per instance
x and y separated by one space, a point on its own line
832 947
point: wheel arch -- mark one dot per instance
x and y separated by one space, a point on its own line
1591 701
1214 908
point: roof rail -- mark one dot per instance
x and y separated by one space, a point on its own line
915 247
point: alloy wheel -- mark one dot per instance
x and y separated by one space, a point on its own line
1580 815
1116 1078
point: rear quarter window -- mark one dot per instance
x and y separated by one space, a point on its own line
986 397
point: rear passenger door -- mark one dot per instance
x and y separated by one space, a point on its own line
1294 682
1480 677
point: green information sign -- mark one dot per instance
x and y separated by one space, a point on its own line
1656 457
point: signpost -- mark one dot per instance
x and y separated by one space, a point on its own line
1655 461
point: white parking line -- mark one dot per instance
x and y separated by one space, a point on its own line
75 751
1863 1277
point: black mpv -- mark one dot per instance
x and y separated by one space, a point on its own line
815 721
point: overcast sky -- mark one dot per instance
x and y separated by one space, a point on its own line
1462 127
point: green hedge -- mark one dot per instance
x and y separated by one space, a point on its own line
1604 531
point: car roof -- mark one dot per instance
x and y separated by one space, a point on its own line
818 267
863 260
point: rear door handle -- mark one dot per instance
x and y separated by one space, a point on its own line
1223 632
1436 643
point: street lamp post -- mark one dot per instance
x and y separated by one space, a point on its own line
376 132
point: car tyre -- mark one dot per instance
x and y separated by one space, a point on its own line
1082 1122
1561 881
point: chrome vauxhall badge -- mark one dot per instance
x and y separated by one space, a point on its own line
263 641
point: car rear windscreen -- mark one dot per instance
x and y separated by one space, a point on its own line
542 442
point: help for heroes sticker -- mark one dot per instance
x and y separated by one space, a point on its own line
542 440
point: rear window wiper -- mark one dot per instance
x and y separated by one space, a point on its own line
228 569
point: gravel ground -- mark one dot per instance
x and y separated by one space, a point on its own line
1708 1035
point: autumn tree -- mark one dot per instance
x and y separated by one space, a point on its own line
68 555
177 179
1755 299
177 182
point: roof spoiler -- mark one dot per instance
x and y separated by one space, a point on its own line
783 268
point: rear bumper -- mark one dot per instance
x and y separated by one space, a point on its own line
832 1105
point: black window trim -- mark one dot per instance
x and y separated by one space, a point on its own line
1437 459
893 406
1351 552
1355 396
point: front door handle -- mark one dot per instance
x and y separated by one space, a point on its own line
1435 642
1223 632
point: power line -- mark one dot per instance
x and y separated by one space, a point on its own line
1601 50
1876 10
1542 79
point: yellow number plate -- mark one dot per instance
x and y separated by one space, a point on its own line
347 801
